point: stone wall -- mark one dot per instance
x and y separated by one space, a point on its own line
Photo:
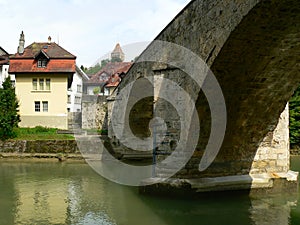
273 153
74 120
49 146
94 112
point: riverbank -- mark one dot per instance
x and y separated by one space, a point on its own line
60 150
59 157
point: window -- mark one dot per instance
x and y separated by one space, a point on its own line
79 88
45 106
69 98
34 84
48 84
41 83
37 106
42 63
77 100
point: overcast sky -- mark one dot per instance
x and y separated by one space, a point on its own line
87 28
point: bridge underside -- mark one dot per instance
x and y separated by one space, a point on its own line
253 49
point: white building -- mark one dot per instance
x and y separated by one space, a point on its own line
75 91
4 65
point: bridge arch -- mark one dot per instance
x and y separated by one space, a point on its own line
253 49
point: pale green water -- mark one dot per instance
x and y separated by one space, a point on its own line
72 193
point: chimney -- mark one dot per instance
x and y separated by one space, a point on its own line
21 44
49 40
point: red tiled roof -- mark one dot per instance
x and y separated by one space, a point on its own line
110 69
60 60
3 57
113 81
51 49
4 60
30 65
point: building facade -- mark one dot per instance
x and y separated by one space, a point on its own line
76 90
4 66
44 72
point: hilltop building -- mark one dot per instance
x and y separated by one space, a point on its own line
117 54
107 79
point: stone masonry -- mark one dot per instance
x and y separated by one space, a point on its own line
94 112
253 49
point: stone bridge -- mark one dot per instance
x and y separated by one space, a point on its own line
253 49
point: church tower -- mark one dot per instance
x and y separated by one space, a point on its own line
117 54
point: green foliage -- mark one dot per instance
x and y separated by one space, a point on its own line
84 69
295 119
103 132
40 133
9 117
36 130
116 59
96 90
94 69
104 62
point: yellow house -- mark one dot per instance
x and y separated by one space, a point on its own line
43 72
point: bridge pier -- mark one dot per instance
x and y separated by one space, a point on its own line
269 172
273 153
255 184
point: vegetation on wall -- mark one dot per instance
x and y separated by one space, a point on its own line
295 119
9 117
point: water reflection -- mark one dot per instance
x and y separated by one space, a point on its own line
272 210
65 193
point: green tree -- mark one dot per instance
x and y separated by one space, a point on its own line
116 59
295 119
84 69
94 69
9 117
104 62
96 90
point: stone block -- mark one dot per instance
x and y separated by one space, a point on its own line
282 163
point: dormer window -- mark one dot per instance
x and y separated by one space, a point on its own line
42 59
42 63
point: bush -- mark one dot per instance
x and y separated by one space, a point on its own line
9 117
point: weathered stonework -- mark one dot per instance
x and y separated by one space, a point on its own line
253 49
49 146
13 146
94 112
273 154
74 120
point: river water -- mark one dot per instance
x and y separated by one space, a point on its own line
72 193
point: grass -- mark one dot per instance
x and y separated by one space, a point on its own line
40 133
